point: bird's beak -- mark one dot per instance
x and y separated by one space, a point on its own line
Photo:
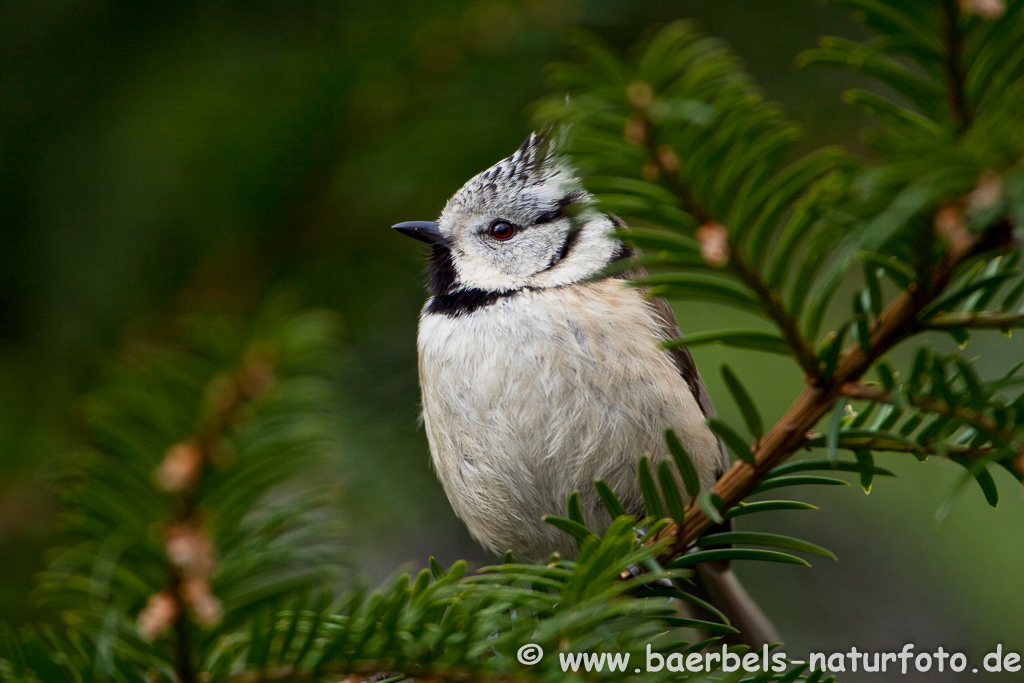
424 231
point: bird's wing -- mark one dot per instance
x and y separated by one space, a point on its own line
687 368
666 320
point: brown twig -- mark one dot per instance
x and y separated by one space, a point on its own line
954 68
777 311
189 549
666 164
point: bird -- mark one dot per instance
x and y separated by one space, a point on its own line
540 373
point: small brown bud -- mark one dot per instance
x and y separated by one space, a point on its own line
635 130
222 395
986 193
668 159
157 616
651 171
190 550
986 9
639 94
197 594
714 244
180 468
950 226
256 376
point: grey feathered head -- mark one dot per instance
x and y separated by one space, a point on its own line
524 222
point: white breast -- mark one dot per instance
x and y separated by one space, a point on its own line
539 394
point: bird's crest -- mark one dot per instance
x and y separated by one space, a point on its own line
536 162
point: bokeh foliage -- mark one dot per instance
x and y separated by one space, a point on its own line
168 176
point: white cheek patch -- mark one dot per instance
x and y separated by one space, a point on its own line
593 248
503 266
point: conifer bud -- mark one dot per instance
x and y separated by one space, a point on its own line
986 9
714 244
950 226
179 470
205 606
639 94
668 159
635 130
157 616
256 376
986 193
190 550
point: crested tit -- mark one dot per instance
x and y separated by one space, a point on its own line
538 376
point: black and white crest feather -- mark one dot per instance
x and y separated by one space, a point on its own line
559 238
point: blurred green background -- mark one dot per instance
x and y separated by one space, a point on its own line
163 157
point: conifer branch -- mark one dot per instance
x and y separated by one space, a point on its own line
893 325
776 310
978 419
880 443
187 542
667 164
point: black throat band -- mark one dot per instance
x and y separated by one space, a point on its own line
450 300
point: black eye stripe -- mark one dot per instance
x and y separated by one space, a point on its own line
570 242
548 216
559 211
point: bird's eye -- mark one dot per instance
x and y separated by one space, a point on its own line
502 230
